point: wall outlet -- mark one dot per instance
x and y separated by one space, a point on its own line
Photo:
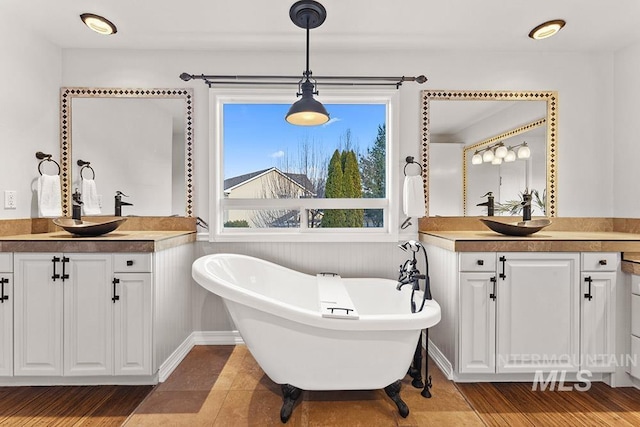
9 199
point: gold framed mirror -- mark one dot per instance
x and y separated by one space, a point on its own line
507 113
158 170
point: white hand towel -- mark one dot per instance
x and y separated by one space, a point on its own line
49 196
90 201
413 203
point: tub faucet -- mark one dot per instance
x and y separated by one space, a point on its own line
409 273
526 206
119 203
490 203
76 205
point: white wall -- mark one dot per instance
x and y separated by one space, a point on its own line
626 173
584 83
30 78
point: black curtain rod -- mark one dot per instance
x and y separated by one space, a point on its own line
331 80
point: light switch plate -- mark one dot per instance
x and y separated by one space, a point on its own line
9 199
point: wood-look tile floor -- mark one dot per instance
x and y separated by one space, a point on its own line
224 386
205 391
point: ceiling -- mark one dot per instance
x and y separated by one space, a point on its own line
486 25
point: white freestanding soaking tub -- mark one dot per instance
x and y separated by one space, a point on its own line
318 332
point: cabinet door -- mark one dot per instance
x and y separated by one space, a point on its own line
477 323
133 324
6 325
88 315
538 312
597 334
37 314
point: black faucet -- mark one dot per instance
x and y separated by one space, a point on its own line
76 206
490 203
526 206
119 203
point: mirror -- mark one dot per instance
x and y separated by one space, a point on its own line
138 141
457 124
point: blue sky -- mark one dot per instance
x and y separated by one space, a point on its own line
256 136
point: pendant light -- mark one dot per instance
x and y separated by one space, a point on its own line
307 14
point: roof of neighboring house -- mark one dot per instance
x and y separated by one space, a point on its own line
301 179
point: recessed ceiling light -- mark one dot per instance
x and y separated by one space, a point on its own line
547 29
98 23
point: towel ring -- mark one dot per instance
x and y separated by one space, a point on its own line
85 165
410 161
46 158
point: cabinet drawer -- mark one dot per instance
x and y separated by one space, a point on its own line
600 261
634 368
6 262
132 263
635 284
635 315
477 261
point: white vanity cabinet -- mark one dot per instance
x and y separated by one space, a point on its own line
477 313
132 284
63 318
509 315
538 319
76 316
597 296
634 368
6 314
518 313
105 310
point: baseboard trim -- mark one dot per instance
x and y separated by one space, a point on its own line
196 338
172 362
217 338
440 360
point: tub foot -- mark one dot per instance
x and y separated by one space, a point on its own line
393 391
289 396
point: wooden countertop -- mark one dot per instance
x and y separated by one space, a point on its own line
542 241
116 241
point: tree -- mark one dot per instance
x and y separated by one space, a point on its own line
352 188
307 168
334 188
373 171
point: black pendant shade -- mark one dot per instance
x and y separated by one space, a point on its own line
307 111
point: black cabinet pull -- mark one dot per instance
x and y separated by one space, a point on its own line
503 260
129 262
64 276
55 260
492 295
603 262
115 296
3 297
480 262
588 294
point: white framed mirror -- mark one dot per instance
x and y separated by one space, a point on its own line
458 124
138 141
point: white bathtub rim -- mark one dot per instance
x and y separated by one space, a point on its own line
427 318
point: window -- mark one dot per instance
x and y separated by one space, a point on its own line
275 181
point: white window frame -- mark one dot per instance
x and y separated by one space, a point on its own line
217 203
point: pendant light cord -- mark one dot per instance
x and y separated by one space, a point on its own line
307 73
